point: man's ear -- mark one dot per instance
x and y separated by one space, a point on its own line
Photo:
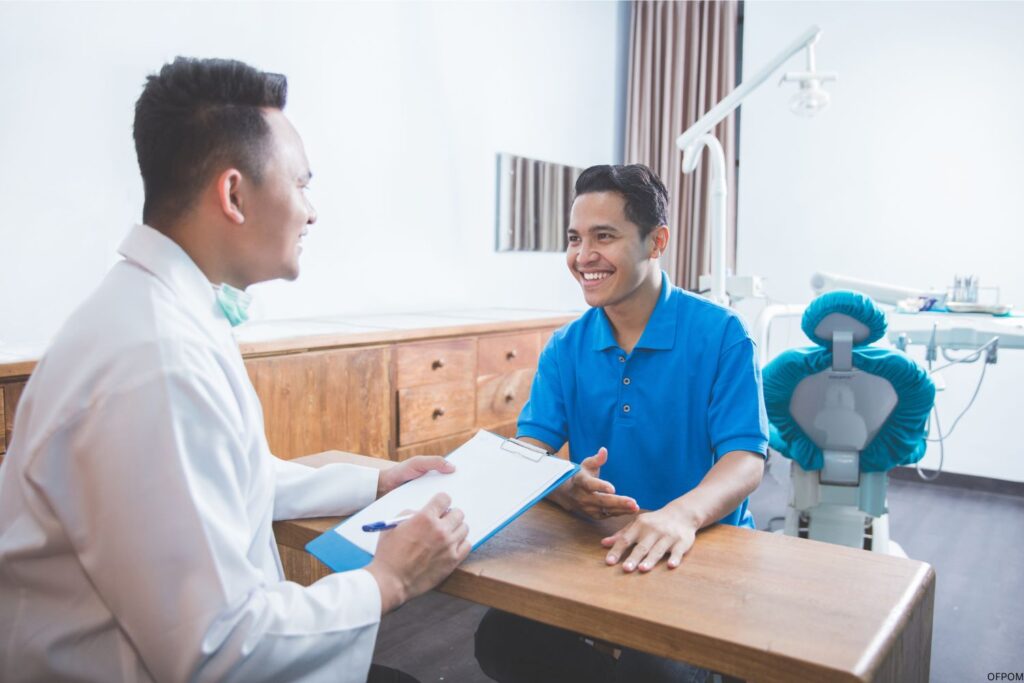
229 195
659 241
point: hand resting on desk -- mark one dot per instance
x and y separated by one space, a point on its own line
672 529
652 535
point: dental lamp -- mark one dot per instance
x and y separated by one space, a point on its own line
808 100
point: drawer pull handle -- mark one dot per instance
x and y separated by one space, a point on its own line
437 364
509 397
511 355
438 412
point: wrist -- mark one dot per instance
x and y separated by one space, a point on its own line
393 591
383 484
560 496
687 513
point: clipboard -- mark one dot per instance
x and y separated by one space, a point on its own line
495 480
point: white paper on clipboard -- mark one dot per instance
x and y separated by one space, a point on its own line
495 480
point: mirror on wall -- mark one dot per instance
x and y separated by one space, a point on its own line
534 198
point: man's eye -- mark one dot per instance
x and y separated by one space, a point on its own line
573 239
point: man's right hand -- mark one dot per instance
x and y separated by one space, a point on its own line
419 553
586 492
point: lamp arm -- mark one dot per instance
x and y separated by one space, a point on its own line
718 113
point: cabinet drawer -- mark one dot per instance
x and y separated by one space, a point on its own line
437 362
500 354
500 398
435 410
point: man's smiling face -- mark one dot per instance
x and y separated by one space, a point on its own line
606 254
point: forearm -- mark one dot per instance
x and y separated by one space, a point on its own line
726 485
335 489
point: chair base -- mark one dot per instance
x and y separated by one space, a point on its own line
836 514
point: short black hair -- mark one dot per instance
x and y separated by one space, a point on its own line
645 195
195 117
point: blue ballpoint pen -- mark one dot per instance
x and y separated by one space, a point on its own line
385 524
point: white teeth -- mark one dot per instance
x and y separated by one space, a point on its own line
594 276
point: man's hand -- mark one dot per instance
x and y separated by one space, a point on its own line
586 492
413 468
653 534
419 553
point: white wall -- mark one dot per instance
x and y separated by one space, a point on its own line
403 107
911 176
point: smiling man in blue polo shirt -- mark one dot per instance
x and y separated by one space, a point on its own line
661 389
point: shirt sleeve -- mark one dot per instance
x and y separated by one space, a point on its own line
543 416
337 489
159 499
736 415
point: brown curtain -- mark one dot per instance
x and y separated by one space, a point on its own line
682 62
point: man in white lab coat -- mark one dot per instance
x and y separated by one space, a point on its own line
137 497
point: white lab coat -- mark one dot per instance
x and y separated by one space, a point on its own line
137 498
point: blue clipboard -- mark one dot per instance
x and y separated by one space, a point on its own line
341 554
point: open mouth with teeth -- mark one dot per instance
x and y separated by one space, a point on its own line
594 278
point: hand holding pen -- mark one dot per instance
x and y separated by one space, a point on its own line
424 548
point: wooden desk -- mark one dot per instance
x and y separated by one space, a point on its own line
758 606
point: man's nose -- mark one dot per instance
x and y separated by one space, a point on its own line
587 255
311 218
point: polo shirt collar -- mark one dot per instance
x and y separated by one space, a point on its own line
660 331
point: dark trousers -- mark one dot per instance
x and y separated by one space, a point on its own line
512 649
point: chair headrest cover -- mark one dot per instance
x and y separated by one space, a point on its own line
826 314
901 439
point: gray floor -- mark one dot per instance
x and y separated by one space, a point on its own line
973 539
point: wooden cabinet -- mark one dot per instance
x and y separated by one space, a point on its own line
396 400
386 393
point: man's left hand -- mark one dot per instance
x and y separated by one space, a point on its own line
410 469
669 530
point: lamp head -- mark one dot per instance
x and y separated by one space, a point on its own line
811 97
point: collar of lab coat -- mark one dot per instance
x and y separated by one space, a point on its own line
158 254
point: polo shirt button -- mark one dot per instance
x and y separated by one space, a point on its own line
622 359
625 408
625 380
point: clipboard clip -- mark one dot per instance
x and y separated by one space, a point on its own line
526 450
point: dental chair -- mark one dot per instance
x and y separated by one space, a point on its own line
845 413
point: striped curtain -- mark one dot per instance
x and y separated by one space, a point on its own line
682 62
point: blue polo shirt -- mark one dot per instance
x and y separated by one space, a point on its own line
689 393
